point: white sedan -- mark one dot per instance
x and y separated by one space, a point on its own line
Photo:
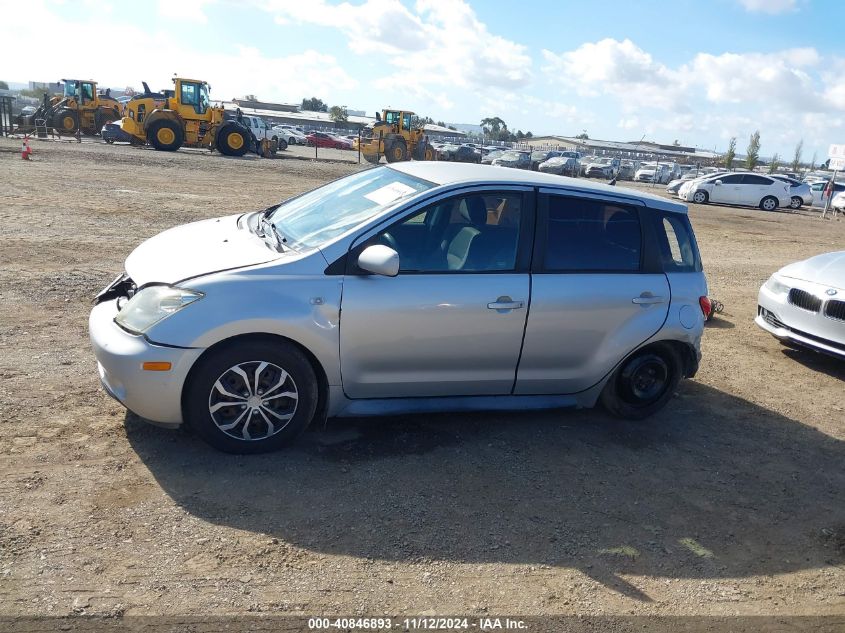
803 304
293 137
744 189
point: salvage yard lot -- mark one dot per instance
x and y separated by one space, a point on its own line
729 501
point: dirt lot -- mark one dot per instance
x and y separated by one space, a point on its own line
731 501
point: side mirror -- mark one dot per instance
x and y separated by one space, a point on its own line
718 182
379 260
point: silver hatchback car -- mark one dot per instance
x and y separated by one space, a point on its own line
415 287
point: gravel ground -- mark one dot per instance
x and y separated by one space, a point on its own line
729 502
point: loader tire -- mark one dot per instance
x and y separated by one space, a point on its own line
166 135
65 122
396 150
233 140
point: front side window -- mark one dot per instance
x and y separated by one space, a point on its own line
406 121
331 210
87 91
477 232
189 94
591 235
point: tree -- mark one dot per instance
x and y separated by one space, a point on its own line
129 91
519 135
418 122
730 155
35 92
813 163
493 126
773 166
338 114
796 158
583 136
676 143
314 105
528 134
4 85
752 154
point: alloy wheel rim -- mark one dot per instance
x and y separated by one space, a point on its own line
253 400
768 205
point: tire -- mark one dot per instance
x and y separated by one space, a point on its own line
428 153
233 139
281 145
251 424
700 197
166 135
109 140
292 141
796 202
396 150
66 122
643 383
769 203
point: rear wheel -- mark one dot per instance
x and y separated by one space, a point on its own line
233 140
644 383
251 396
166 135
66 122
769 203
281 144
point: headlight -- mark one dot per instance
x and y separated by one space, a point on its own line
776 286
152 304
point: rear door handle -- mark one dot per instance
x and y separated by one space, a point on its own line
505 303
649 299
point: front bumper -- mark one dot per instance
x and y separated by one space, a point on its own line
153 395
795 325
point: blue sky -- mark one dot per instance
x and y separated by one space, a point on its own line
698 72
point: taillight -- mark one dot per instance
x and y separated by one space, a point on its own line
706 306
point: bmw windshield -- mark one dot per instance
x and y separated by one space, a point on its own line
325 213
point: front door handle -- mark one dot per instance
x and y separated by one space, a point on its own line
647 299
503 304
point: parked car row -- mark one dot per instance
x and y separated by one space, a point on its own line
741 188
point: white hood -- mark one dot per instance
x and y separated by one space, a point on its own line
827 270
196 249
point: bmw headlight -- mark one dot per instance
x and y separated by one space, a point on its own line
152 304
775 286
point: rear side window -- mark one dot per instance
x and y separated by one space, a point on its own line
592 236
678 249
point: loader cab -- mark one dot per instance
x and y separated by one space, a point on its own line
82 91
402 120
192 97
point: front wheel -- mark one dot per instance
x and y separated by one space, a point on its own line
644 383
166 135
233 140
699 197
251 396
769 203
796 202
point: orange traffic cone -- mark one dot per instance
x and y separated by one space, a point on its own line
25 150
28 148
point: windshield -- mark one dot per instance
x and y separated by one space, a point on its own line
322 214
511 155
70 88
648 166
536 155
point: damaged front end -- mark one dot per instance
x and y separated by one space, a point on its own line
122 287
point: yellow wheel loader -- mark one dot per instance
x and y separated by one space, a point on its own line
79 108
393 137
185 117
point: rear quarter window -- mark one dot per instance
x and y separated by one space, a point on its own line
676 241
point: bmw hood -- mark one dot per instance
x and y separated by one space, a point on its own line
827 269
197 249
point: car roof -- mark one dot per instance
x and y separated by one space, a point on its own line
449 173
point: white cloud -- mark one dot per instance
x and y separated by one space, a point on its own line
439 44
772 7
184 10
232 71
